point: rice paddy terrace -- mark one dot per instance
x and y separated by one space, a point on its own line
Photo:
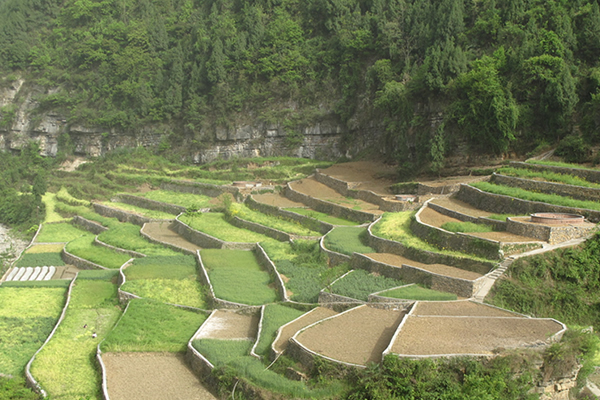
191 276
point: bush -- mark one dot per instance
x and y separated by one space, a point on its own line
573 149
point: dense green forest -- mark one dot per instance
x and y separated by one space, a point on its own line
498 74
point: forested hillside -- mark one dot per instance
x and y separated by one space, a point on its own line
496 74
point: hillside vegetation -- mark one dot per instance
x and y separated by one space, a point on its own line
503 73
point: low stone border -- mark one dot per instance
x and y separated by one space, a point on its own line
496 224
343 188
131 253
122 215
331 300
306 356
501 204
587 174
217 302
328 207
89 225
124 296
260 326
149 204
388 349
160 242
376 298
426 257
39 229
550 234
79 262
264 260
408 273
562 189
199 364
335 258
311 223
262 229
204 240
205 189
30 380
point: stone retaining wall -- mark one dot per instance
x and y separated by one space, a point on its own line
118 249
490 249
204 240
169 245
588 175
329 300
561 189
265 261
205 189
90 226
335 258
551 234
496 224
501 204
79 262
343 188
427 257
310 223
122 215
328 207
149 204
258 228
410 274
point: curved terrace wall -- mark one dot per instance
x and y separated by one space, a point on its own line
205 189
496 224
328 207
91 226
79 262
501 204
149 204
204 240
588 175
258 228
335 258
169 245
118 249
562 189
123 216
426 257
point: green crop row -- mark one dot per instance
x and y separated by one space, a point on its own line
348 240
49 200
62 232
466 227
66 366
284 225
84 247
303 267
153 214
559 164
39 260
151 326
187 200
359 284
275 315
27 316
64 196
172 291
309 212
163 267
236 276
214 224
234 354
127 236
547 176
417 292
534 196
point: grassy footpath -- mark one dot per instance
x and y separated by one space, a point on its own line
151 326
27 316
236 276
66 366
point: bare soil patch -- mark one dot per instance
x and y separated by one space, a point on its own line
437 219
460 308
470 335
452 203
277 200
367 175
452 180
358 336
224 324
66 272
152 376
312 188
290 329
441 269
160 231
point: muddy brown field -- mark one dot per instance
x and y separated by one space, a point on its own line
290 329
441 269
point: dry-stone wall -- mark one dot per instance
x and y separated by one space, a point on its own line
148 204
328 207
258 228
561 189
90 226
496 224
123 216
551 234
169 245
205 189
335 258
78 262
118 249
204 240
328 299
502 204
588 175
265 262
306 221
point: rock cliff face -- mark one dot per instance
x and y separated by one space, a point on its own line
24 120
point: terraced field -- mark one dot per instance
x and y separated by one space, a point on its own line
174 268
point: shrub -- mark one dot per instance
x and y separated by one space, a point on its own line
572 149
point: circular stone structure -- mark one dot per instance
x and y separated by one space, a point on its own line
557 218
